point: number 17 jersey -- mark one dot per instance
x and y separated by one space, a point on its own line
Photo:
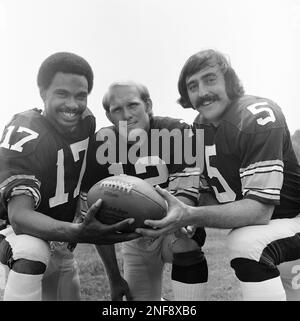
47 165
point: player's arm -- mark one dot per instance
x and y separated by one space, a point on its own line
192 189
236 214
231 215
118 286
26 220
261 177
187 230
204 199
255 208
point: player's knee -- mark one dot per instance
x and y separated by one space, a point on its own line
190 267
29 267
188 257
26 247
25 254
239 244
184 245
248 270
5 252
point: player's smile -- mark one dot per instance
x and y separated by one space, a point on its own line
207 100
70 115
65 100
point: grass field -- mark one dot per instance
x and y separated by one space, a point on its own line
222 285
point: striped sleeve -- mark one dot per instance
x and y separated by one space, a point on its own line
262 167
83 203
20 185
188 183
263 179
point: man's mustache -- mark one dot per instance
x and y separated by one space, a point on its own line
209 97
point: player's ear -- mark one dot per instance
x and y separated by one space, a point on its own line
149 106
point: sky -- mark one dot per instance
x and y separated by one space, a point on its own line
149 41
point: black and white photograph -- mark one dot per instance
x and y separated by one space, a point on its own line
150 153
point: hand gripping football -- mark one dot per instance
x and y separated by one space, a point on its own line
125 196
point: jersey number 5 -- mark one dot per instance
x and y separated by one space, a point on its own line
259 108
228 195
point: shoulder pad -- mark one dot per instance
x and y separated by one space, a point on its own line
23 133
104 132
251 114
158 122
87 113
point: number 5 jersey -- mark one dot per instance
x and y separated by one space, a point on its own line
250 155
38 161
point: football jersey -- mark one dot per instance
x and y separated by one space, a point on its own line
157 161
250 155
39 161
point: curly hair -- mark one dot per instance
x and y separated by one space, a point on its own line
200 60
64 62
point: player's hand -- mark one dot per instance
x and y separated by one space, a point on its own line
172 222
95 232
186 232
119 288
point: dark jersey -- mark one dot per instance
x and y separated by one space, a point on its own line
156 160
39 161
250 155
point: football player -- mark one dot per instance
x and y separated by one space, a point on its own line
42 162
143 259
252 168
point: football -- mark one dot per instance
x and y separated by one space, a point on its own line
126 196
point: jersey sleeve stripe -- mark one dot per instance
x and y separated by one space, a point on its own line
184 183
189 191
194 196
83 203
262 181
264 196
174 176
83 195
272 192
263 178
20 177
27 190
265 165
261 170
21 185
